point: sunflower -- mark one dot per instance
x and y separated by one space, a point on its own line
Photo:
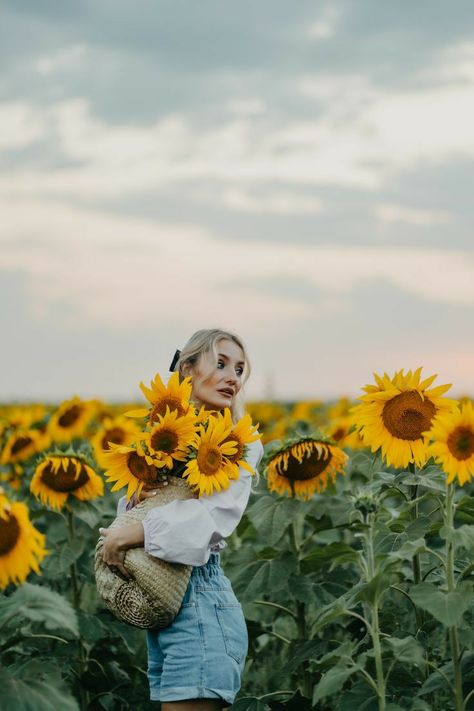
170 437
59 475
211 469
396 412
20 445
453 445
341 430
71 419
118 430
175 395
132 467
304 465
22 547
241 434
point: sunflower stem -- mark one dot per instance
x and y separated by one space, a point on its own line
76 596
451 583
374 609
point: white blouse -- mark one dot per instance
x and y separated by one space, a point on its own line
189 531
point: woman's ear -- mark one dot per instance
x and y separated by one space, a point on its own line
186 370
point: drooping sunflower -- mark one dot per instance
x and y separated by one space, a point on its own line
453 443
20 445
132 467
395 413
170 437
174 395
59 475
71 419
118 430
210 470
242 433
22 547
340 429
304 465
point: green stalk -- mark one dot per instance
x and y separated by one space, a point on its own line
414 496
305 677
453 631
76 598
375 624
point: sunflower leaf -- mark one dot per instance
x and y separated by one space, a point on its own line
447 607
35 688
462 536
39 604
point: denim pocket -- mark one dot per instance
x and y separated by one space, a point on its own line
234 630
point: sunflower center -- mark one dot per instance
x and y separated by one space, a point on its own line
69 417
461 442
174 403
115 435
140 469
209 460
309 468
64 479
407 415
9 534
164 441
21 443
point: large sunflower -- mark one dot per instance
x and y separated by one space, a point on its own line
175 395
20 445
453 445
170 437
59 475
71 419
211 469
396 412
22 547
132 467
242 433
118 430
304 465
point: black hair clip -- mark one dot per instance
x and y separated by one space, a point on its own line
175 360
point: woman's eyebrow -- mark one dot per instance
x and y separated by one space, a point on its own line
223 355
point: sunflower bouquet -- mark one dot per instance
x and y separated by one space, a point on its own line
203 447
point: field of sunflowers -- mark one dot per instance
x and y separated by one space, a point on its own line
353 561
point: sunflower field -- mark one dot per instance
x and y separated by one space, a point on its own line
353 562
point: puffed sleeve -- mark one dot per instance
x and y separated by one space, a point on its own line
185 531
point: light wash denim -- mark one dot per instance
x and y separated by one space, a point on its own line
201 655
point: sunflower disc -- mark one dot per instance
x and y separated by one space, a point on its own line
153 598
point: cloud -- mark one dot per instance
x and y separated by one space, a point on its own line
389 213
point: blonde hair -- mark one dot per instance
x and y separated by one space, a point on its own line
205 341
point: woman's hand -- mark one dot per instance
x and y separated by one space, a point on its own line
116 543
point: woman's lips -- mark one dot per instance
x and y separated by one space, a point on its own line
228 393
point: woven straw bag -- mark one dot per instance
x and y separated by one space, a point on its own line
151 600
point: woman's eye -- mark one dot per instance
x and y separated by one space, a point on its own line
220 363
239 371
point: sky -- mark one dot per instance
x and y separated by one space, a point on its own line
299 173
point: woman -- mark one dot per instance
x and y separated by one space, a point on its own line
197 662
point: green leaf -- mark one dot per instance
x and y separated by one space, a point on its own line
373 590
301 587
271 517
249 703
37 689
333 681
360 697
335 553
40 604
460 537
447 607
409 549
406 649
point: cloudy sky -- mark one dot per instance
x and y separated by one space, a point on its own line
298 172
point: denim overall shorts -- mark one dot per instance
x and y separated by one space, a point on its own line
201 655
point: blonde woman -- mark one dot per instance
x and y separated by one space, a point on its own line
197 662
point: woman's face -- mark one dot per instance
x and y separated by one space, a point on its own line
215 385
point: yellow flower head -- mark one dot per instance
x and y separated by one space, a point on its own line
118 430
211 469
453 443
20 445
299 468
132 467
59 475
396 412
169 437
71 419
175 396
22 547
242 433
